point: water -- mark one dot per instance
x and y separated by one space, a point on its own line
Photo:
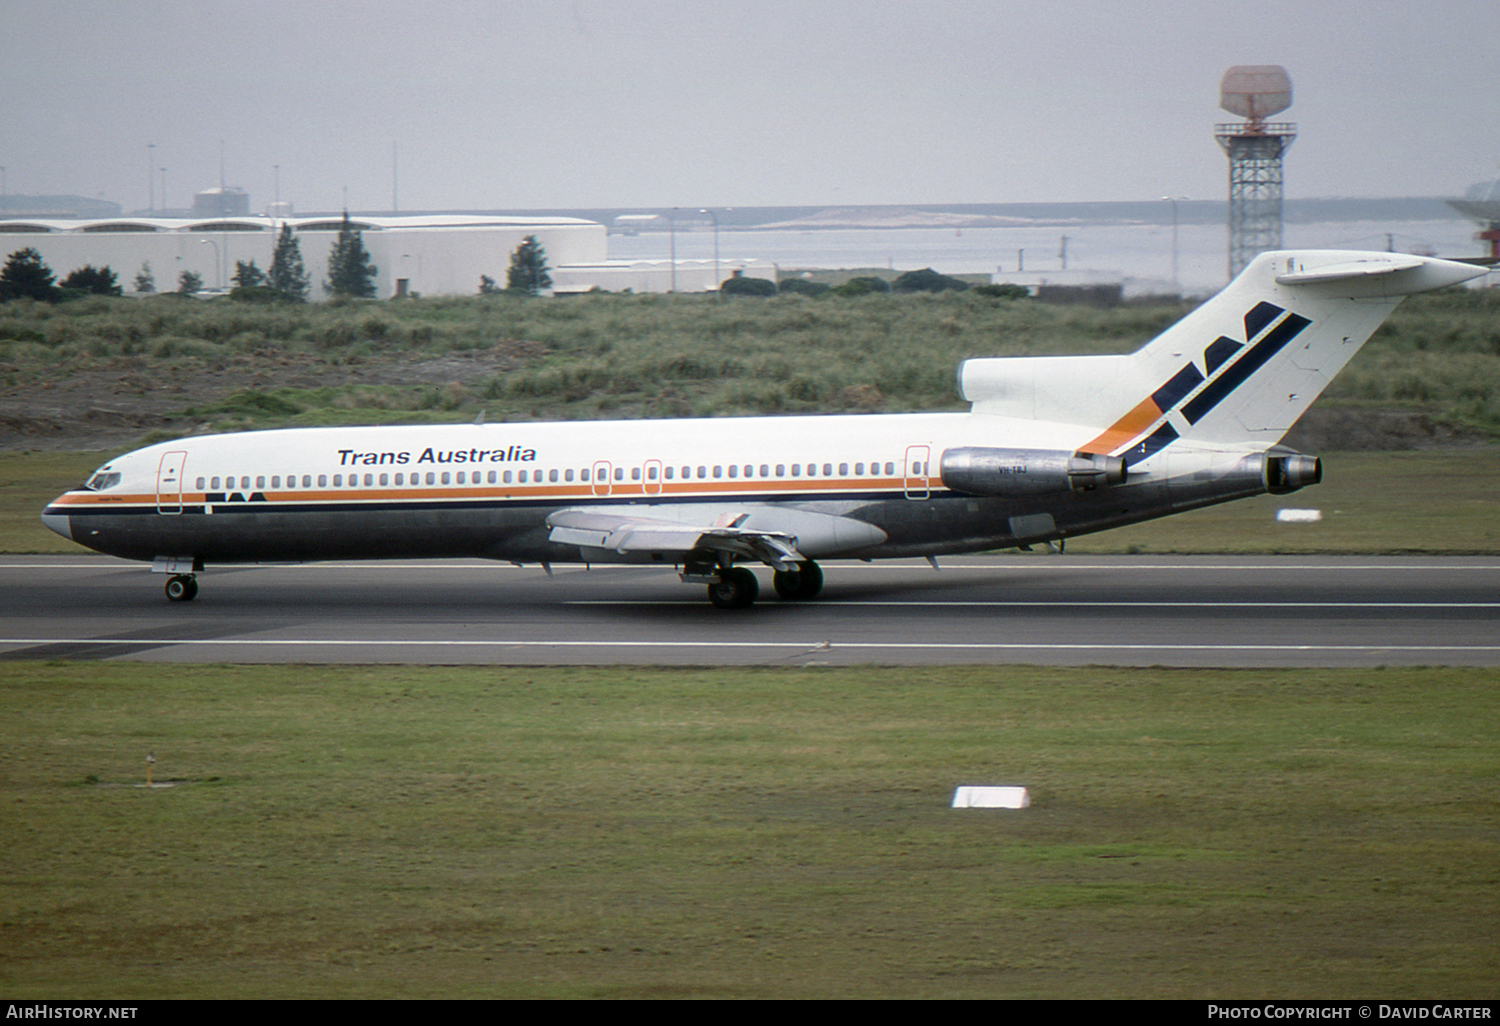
1142 252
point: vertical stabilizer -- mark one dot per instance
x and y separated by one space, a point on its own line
1237 371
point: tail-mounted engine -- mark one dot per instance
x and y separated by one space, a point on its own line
1286 471
1020 472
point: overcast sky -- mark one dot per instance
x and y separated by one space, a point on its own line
526 104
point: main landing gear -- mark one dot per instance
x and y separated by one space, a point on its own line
736 587
182 587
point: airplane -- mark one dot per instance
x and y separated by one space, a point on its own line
1052 447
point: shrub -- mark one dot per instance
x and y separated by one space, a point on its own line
742 286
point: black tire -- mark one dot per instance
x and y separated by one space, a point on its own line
182 588
802 583
735 589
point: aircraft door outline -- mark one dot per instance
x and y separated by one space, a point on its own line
169 482
917 480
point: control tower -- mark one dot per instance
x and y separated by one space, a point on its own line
1255 147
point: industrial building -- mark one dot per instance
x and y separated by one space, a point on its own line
428 255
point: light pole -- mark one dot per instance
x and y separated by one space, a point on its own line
672 231
1176 286
717 282
150 178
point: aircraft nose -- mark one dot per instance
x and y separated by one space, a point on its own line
58 523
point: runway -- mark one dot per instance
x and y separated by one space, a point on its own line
1055 610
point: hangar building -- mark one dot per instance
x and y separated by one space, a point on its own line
431 255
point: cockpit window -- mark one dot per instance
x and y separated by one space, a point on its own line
102 479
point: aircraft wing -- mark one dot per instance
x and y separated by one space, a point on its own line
627 533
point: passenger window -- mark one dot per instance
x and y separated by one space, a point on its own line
702 472
385 479
431 477
214 484
765 471
552 475
490 477
796 470
718 472
619 473
890 468
781 470
668 473
583 475
859 468
306 480
635 473
322 480
507 477
651 472
369 480
446 478
828 470
812 470
245 484
400 478
460 477
733 471
276 481
338 480
568 474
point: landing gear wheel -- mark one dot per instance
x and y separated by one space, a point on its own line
802 583
735 589
182 587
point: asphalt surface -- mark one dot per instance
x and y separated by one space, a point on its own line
1056 610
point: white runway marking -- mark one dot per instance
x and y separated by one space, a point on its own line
777 645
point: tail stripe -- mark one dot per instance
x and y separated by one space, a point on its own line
1240 370
1230 364
1177 388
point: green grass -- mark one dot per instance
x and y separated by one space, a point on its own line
1436 502
656 355
495 832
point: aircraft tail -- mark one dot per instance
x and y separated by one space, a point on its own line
1238 370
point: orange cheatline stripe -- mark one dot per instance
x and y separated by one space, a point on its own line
1127 429
726 487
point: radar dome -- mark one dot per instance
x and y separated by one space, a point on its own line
1255 91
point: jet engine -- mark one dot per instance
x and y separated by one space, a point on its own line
1286 471
1020 472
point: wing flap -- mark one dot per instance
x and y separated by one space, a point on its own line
627 534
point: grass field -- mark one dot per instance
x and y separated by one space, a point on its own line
380 832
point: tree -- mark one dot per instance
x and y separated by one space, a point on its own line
350 272
928 280
26 276
862 286
487 286
528 268
189 282
99 281
739 285
247 275
145 281
288 275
